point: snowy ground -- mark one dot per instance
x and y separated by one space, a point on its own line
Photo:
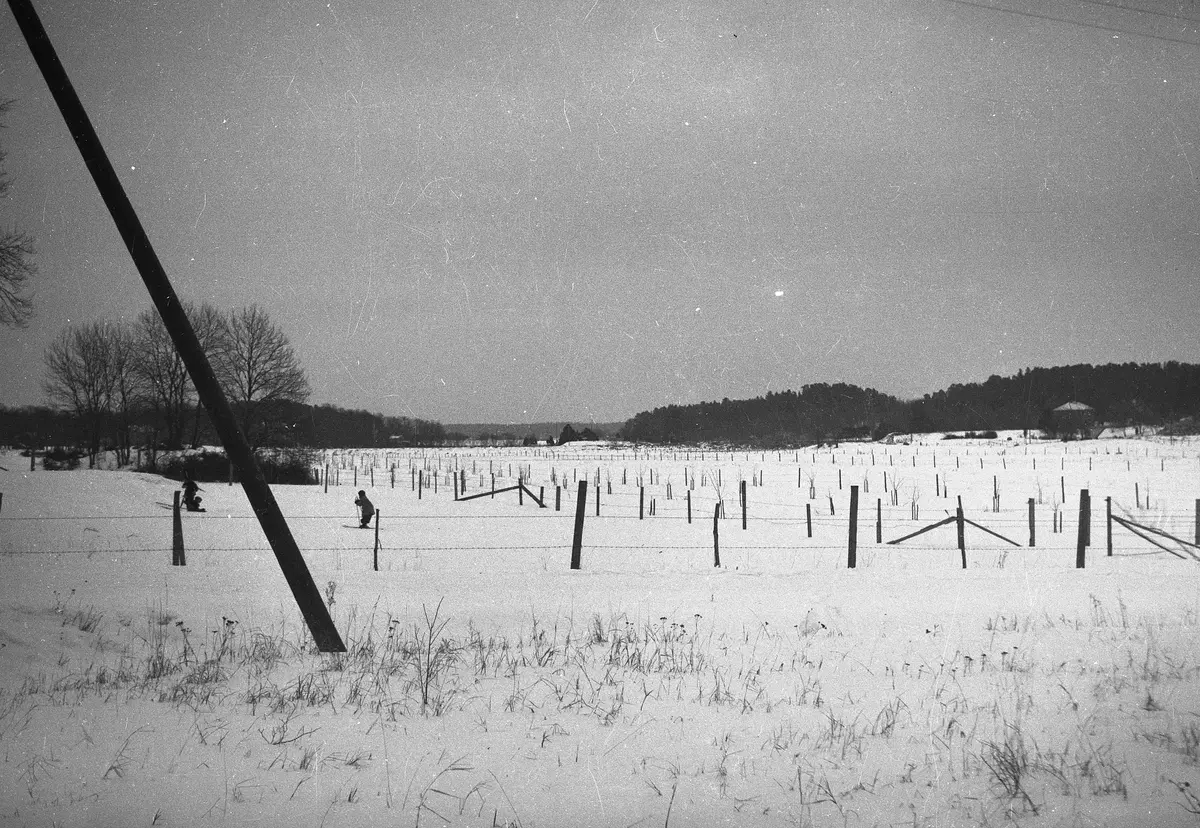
488 684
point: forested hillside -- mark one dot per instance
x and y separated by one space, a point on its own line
818 412
1127 394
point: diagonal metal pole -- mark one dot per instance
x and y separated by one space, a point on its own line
990 532
928 528
274 526
1147 538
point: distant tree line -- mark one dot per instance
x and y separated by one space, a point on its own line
329 426
536 434
124 384
120 386
113 386
818 412
1122 394
1126 394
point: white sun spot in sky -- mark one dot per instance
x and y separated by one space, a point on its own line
779 293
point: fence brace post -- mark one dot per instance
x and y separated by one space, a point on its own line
177 555
962 534
1081 535
1108 521
716 535
577 541
852 556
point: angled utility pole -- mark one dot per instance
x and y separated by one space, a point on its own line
274 526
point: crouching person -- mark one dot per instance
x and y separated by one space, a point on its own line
366 509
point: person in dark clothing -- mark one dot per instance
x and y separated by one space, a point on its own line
366 508
189 494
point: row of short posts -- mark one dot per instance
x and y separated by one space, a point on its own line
420 481
460 485
1084 537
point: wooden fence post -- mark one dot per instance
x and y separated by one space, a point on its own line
808 517
879 520
1081 535
376 540
577 541
689 501
852 556
177 554
420 481
743 487
1087 518
1032 536
716 535
597 500
1108 522
962 534
641 502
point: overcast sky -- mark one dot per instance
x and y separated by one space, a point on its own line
520 211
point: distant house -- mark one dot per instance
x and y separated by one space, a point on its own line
1074 418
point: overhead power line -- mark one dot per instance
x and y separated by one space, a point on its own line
1177 18
1037 16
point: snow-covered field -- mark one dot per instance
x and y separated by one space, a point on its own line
486 683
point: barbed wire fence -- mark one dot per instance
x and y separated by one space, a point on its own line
618 507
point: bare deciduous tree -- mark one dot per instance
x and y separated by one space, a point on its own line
212 332
168 386
80 376
16 262
165 376
128 390
259 370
